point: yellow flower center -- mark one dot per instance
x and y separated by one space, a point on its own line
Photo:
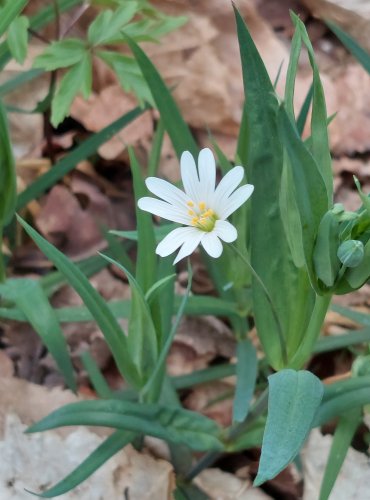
202 217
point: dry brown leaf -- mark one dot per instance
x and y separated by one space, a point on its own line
214 399
102 109
353 479
220 485
351 15
6 365
199 340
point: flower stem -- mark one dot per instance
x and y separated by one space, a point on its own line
2 263
270 301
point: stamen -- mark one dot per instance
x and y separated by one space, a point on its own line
190 204
202 206
194 221
191 213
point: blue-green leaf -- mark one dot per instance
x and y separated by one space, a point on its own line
246 373
294 398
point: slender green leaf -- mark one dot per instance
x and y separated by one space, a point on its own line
303 114
9 11
270 253
342 439
319 130
19 80
175 125
109 447
113 334
8 192
169 423
66 164
362 56
343 340
357 316
159 232
33 302
344 387
294 398
246 373
155 152
295 51
18 38
146 262
339 405
201 376
96 377
142 339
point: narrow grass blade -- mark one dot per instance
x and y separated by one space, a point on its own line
246 373
169 423
9 12
8 192
112 445
96 377
142 342
155 152
338 405
210 374
342 439
146 262
112 332
33 302
357 51
294 398
174 123
346 339
19 80
302 117
68 163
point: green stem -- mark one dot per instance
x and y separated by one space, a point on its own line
306 348
2 263
270 301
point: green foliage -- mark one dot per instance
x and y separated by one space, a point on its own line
109 28
294 398
17 38
7 172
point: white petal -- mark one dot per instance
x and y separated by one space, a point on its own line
207 174
190 244
173 241
212 245
189 176
166 191
225 231
163 209
227 185
237 199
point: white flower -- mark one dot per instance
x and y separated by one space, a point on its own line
203 207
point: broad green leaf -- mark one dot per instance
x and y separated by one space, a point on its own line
319 131
66 164
246 374
342 439
142 342
77 79
112 332
294 398
169 423
146 262
8 192
270 252
9 10
128 74
17 38
362 56
62 54
109 447
107 25
309 187
175 125
31 299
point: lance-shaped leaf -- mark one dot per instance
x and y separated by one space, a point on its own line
169 423
294 398
103 316
31 299
8 192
